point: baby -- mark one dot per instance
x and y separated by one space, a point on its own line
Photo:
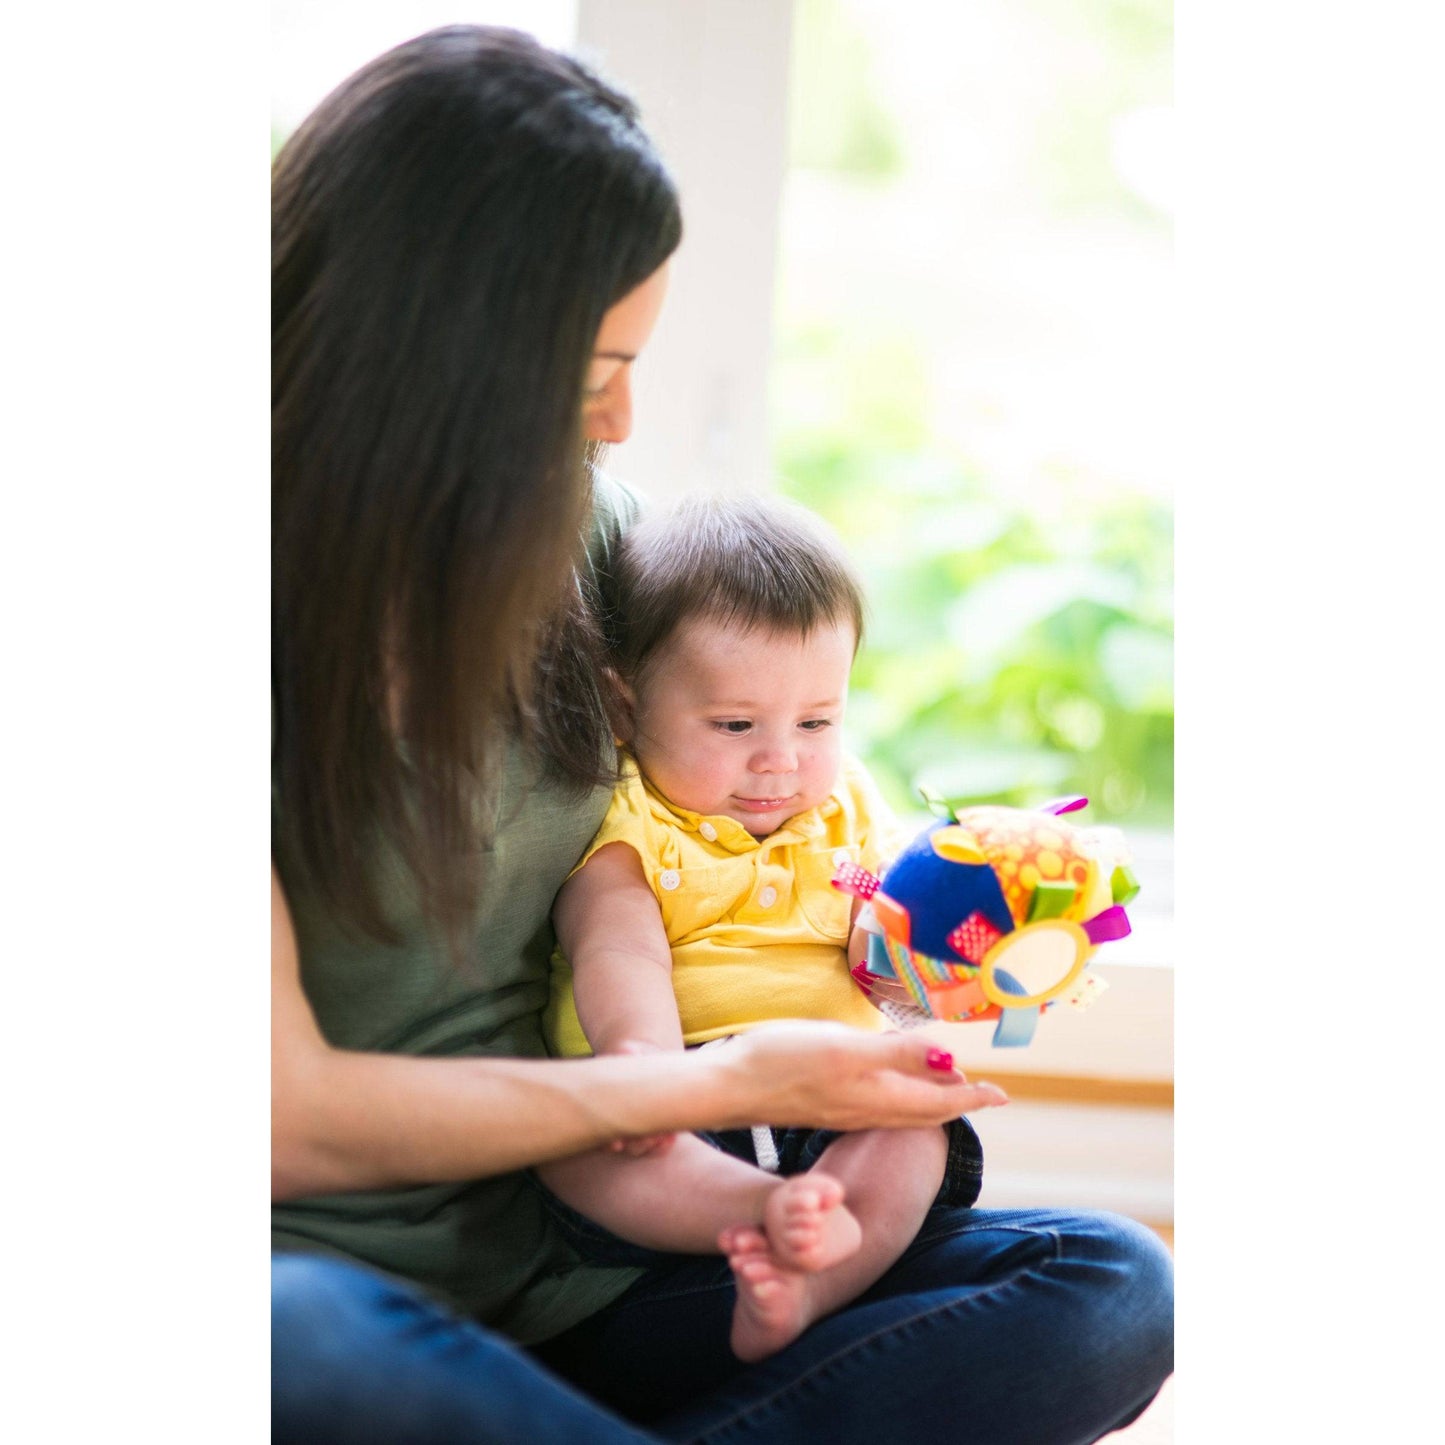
704 907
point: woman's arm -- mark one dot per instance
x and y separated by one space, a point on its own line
610 929
342 1120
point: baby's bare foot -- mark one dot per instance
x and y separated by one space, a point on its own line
774 1304
807 1224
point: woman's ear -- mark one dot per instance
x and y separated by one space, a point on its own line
621 704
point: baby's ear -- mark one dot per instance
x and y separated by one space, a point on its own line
620 702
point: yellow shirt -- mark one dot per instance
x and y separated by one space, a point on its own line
756 928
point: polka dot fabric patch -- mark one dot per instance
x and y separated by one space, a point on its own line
851 878
973 938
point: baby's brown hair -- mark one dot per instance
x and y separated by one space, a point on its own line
747 561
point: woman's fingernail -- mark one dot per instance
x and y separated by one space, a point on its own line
939 1059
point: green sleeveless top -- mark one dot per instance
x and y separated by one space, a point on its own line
485 1247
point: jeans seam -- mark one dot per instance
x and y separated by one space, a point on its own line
853 1346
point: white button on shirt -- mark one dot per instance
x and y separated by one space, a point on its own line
708 831
669 879
768 897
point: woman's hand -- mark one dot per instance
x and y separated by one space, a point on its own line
830 1076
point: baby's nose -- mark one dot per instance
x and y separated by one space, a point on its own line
775 759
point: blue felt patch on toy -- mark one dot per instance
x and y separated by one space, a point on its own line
939 894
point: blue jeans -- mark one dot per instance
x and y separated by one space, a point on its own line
1029 1326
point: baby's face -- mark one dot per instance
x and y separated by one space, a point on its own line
744 725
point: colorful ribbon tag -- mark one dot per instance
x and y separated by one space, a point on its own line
1110 924
851 878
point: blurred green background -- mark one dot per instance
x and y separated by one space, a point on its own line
970 382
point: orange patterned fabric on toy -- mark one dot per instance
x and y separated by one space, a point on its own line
1028 848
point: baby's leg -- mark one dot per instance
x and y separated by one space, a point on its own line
681 1201
891 1177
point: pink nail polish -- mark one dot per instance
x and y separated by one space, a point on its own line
938 1059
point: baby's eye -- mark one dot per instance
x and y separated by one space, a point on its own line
816 724
734 727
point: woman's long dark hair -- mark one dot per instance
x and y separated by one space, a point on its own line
448 228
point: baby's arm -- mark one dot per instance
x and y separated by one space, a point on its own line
610 930
857 938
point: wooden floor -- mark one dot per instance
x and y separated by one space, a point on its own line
1049 1153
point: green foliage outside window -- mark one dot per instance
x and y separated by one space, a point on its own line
841 127
1021 626
1009 657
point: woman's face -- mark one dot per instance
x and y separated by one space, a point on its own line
607 403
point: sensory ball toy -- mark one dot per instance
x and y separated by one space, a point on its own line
994 913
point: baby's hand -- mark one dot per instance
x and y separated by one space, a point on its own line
886 989
655 1145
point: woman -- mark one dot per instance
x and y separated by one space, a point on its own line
470 247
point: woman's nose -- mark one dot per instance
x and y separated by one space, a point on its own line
609 417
